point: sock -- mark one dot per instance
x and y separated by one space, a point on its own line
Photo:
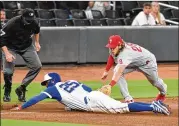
139 107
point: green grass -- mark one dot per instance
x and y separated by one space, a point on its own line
140 88
137 88
7 122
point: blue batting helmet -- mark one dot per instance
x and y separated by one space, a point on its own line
52 79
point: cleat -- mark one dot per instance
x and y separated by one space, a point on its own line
160 107
20 91
6 98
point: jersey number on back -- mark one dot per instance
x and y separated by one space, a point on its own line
135 47
69 86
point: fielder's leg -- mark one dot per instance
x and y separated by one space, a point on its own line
150 71
8 70
34 64
122 83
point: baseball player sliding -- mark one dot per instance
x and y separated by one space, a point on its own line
78 96
130 57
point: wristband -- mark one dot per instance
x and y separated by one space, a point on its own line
112 83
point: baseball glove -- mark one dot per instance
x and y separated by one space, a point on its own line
106 89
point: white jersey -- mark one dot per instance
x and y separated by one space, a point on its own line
133 55
78 96
71 93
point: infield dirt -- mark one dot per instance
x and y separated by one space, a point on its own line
54 112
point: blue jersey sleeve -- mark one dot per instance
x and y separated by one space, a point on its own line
52 93
34 100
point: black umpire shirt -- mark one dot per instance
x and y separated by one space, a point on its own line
17 35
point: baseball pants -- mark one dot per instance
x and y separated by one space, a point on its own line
151 73
32 61
99 102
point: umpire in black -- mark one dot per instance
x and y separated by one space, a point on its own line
16 38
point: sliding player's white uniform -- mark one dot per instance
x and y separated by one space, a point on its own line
77 96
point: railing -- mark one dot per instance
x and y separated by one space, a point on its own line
173 22
173 7
170 6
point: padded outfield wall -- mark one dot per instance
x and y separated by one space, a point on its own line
87 44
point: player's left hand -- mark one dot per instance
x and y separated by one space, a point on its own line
16 108
37 46
106 89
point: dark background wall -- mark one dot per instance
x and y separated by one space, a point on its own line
87 44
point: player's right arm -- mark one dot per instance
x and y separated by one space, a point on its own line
109 64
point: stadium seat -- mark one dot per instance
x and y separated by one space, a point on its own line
167 13
112 14
128 21
115 22
61 5
29 4
96 14
135 12
175 13
78 14
11 5
46 4
1 5
45 14
118 5
10 13
98 22
174 3
64 22
128 5
61 14
47 22
72 5
81 22
141 3
82 5
67 5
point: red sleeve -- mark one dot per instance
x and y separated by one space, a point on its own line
110 63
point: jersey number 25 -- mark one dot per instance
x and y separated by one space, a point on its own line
69 86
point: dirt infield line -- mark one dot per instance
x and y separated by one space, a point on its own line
54 112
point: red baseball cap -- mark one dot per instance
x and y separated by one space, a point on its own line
114 41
